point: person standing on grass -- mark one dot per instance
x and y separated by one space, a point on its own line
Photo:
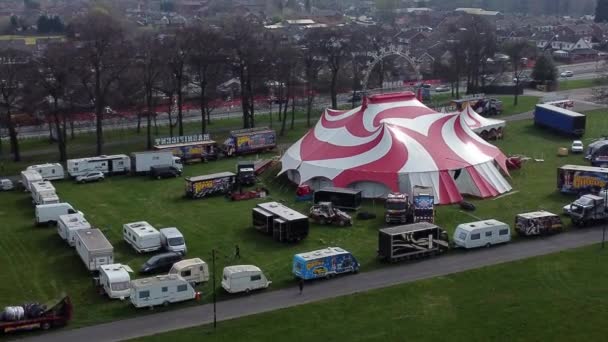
301 285
237 252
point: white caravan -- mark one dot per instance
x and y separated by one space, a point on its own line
141 236
49 171
141 162
195 270
243 278
67 225
115 164
115 280
482 233
173 240
44 193
28 177
49 213
94 249
160 290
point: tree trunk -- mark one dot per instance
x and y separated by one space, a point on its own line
203 100
244 105
309 101
293 111
515 99
99 102
12 133
180 118
250 101
333 90
149 119
72 136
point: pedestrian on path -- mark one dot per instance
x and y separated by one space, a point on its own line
237 252
301 285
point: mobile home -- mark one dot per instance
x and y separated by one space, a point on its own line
160 290
44 193
115 280
49 213
324 263
109 165
243 278
94 249
482 233
141 236
195 270
49 171
28 177
68 224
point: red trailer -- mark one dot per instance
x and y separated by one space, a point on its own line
57 315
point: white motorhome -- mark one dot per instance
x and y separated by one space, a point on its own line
482 233
28 177
49 213
114 164
49 171
94 249
115 280
141 162
195 270
67 225
173 240
160 290
141 236
43 193
243 278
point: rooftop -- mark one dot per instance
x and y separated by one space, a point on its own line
321 253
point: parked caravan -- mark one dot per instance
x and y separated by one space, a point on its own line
6 184
115 280
411 241
243 278
203 186
195 270
28 177
49 213
160 290
340 197
94 249
172 240
68 224
141 236
285 224
50 171
482 233
141 162
44 193
324 263
109 165
538 223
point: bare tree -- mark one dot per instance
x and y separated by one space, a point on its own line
516 50
178 48
312 65
148 64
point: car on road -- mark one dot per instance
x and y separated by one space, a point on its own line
6 185
160 263
567 73
94 176
442 89
577 146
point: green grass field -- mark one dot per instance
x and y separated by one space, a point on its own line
37 265
29 40
559 297
566 84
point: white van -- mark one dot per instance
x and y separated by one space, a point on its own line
50 171
482 233
115 280
68 224
163 289
49 213
141 236
173 240
195 270
243 278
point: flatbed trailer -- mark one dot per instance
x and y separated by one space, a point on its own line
57 315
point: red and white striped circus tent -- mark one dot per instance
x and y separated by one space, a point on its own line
485 127
393 142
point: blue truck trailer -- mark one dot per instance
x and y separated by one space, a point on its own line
324 263
560 119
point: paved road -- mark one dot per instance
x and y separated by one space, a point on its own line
273 300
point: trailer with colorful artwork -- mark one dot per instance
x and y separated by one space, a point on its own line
579 179
203 186
192 151
250 140
423 204
324 263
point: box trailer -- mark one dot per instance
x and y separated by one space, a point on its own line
203 186
411 241
285 224
31 317
560 119
324 263
141 162
342 198
538 223
579 179
28 177
49 213
49 171
141 236
67 225
93 248
250 140
192 151
114 280
44 193
109 165
160 290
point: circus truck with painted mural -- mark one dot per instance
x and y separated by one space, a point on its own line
580 180
252 140
324 263
207 185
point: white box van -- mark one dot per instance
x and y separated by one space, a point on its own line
50 171
173 240
115 280
68 224
195 270
141 236
28 177
94 249
163 289
482 233
43 193
243 278
49 213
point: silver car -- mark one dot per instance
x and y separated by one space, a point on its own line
93 176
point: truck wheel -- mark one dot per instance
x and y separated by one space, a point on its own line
488 245
46 326
247 291
166 303
158 177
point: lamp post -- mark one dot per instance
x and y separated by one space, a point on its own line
214 298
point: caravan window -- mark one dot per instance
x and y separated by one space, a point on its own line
503 232
476 236
164 289
182 288
462 235
121 286
488 234
256 277
186 273
144 294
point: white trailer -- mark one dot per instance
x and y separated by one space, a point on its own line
115 280
109 165
49 213
243 278
195 270
49 171
43 193
160 290
141 162
94 249
141 236
481 234
67 225
28 177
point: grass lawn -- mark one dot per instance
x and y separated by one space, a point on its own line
566 84
524 104
53 267
559 297
29 40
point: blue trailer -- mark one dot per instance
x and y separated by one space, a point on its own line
560 119
324 263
